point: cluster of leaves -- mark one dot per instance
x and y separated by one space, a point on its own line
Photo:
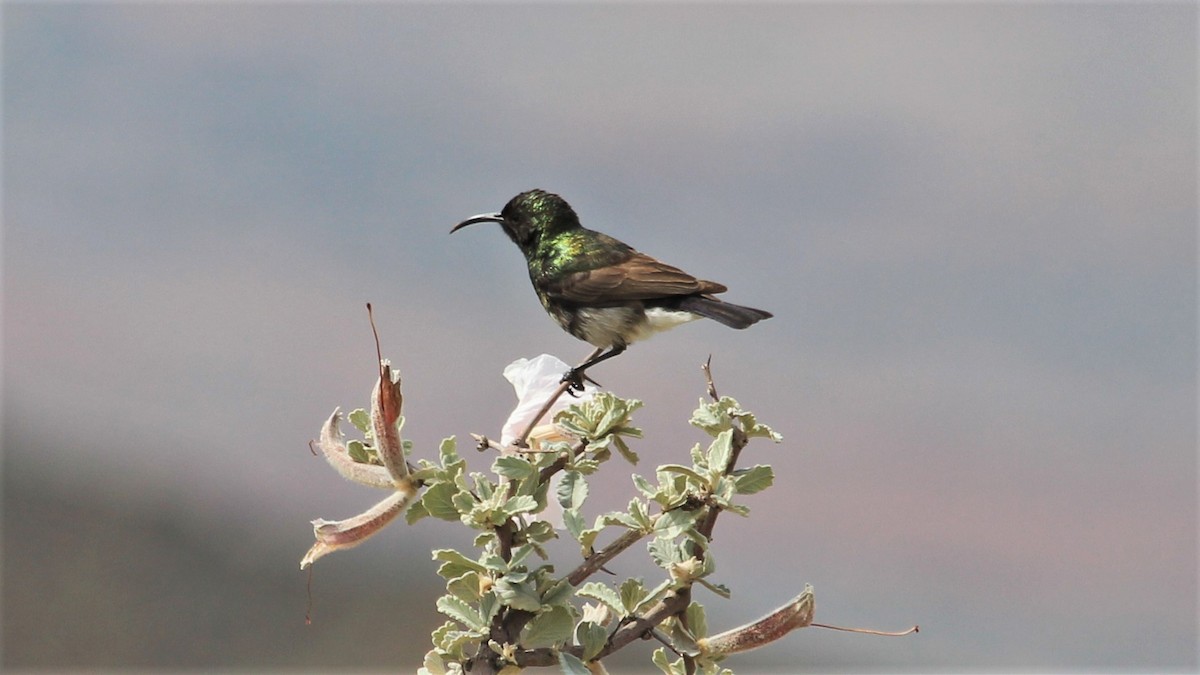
505 603
507 607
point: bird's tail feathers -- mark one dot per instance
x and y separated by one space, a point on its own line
734 316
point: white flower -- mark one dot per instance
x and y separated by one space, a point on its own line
534 381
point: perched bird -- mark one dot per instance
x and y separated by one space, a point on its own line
600 289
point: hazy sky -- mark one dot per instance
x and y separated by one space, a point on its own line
975 224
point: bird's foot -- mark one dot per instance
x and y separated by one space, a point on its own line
573 378
577 377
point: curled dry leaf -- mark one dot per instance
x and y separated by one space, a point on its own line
798 613
335 535
386 401
333 447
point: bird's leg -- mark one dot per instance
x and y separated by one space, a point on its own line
574 377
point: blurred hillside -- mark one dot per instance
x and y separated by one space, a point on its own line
96 581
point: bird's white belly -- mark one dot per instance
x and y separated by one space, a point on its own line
608 326
658 320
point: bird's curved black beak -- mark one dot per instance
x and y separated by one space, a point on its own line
481 218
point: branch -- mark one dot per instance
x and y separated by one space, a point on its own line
597 559
636 628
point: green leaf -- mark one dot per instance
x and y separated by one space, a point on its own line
572 490
489 606
592 637
465 587
720 589
713 418
517 595
520 504
601 415
700 481
361 420
494 563
455 564
439 500
736 509
637 509
587 542
585 465
450 640
753 429
696 620
633 592
594 590
720 451
623 448
484 539
652 595
540 532
519 554
513 467
432 664
644 486
484 487
358 452
462 502
548 629
462 612
682 638
571 665
574 523
674 523
448 452
559 593
664 552
416 511
621 519
668 668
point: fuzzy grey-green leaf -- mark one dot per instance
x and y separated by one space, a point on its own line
572 490
361 420
439 500
594 590
673 523
592 637
754 479
571 665
549 628
721 451
517 595
513 467
461 611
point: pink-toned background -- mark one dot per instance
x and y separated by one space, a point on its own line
974 223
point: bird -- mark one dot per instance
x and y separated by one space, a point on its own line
600 289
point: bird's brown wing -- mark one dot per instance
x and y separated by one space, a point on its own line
639 277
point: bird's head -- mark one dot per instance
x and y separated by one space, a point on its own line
529 217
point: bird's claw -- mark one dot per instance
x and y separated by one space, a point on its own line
574 381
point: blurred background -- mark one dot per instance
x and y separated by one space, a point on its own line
975 224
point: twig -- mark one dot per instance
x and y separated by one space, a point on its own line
868 631
378 350
712 388
483 443
657 635
739 441
595 561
